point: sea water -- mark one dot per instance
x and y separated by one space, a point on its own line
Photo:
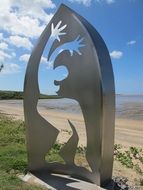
127 106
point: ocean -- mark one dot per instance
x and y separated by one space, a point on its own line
127 106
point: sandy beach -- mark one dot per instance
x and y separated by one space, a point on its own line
128 131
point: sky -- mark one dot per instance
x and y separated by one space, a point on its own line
119 22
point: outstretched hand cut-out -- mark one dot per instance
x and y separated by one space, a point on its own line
75 45
56 31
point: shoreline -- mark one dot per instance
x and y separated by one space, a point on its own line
128 132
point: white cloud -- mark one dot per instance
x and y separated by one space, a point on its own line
3 45
1 36
19 41
44 60
84 2
88 2
132 42
33 4
4 56
25 58
36 10
10 69
24 25
13 54
116 54
25 17
106 1
110 1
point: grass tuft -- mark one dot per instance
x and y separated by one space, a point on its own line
13 158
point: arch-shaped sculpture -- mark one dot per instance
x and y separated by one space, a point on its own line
75 44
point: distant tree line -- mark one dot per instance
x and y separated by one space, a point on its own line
8 95
5 95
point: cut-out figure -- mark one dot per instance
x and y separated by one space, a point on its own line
38 127
71 46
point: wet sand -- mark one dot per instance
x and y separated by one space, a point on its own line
128 131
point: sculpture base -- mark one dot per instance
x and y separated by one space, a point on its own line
58 182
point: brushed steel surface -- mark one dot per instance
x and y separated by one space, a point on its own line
90 82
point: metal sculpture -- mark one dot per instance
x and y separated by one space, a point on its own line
76 45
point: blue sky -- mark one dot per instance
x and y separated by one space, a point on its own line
119 22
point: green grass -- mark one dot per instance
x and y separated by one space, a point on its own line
13 159
13 156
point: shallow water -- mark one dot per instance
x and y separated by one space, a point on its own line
127 106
